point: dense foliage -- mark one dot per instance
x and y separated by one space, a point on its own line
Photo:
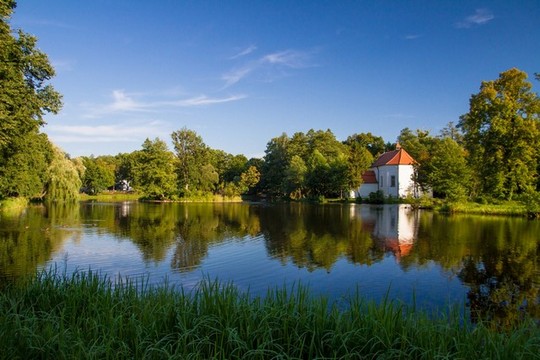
502 134
30 166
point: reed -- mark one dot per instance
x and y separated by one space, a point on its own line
88 316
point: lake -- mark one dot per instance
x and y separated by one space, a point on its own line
482 263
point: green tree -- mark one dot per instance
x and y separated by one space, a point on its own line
448 173
374 144
154 170
25 94
295 177
193 163
276 161
24 166
313 164
249 179
235 166
502 134
63 182
98 175
453 132
25 97
318 181
359 160
326 143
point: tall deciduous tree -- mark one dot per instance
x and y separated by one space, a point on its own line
63 182
98 175
154 170
448 174
295 177
502 135
249 179
276 162
24 166
193 157
374 144
25 95
361 148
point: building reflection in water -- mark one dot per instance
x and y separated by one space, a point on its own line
393 227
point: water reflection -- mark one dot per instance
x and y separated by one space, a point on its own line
395 228
29 237
496 259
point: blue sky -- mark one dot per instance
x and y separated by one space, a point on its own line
242 72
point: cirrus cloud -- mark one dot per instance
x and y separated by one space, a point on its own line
286 59
123 102
480 17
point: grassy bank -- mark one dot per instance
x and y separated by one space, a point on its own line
111 196
508 208
85 316
529 208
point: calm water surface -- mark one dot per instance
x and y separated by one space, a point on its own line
486 263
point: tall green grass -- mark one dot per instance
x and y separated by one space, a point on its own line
87 316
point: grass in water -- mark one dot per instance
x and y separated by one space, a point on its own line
87 316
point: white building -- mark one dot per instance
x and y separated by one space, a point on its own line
392 173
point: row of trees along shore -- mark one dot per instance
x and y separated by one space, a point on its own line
490 153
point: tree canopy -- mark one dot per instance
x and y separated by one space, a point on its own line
26 156
24 74
502 134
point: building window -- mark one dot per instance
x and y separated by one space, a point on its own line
393 181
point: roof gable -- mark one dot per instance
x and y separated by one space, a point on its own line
395 157
368 177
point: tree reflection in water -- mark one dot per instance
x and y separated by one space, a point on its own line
497 258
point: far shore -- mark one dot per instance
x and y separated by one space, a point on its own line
506 208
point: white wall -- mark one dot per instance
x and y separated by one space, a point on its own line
406 184
385 174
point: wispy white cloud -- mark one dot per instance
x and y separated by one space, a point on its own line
244 52
480 17
412 36
204 100
234 76
123 102
292 59
127 132
288 58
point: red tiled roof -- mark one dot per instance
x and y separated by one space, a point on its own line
395 157
368 177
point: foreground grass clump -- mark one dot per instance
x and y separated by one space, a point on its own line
86 316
